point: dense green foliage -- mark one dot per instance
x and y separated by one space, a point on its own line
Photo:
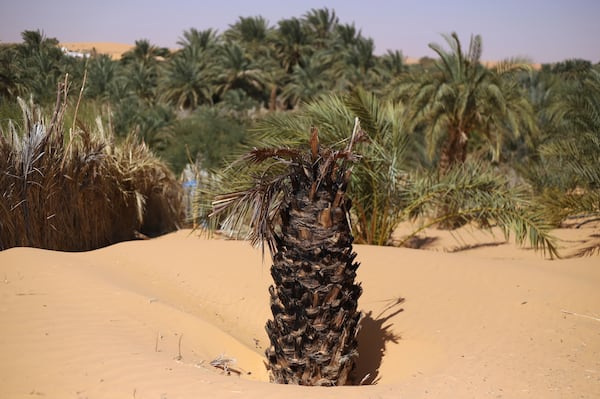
219 93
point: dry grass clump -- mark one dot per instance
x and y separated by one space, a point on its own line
79 191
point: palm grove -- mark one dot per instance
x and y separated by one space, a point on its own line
447 141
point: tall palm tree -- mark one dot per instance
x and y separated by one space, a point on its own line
237 71
188 78
291 42
357 64
104 78
392 64
347 34
144 52
252 33
297 205
321 24
308 80
141 67
142 80
10 86
568 172
39 65
462 97
200 40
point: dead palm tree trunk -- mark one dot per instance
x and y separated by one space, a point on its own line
314 297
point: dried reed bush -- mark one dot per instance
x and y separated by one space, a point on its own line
79 191
161 191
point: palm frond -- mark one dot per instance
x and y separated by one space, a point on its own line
473 193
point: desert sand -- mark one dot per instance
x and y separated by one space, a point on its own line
145 319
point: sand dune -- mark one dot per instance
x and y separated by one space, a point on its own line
115 50
145 319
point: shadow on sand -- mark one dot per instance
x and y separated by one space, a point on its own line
373 337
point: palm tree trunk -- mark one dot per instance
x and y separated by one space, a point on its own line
454 153
314 298
273 98
454 150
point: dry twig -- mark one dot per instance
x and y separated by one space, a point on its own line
581 315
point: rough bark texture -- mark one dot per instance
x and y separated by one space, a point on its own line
454 150
454 153
314 298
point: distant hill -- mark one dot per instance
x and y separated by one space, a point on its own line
115 50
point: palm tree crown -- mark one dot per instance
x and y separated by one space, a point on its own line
462 97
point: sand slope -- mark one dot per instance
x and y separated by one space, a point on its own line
113 323
114 50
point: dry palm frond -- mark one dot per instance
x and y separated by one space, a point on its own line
273 174
78 191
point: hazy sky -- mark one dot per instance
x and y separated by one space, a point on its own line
542 30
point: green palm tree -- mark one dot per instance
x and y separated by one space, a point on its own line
321 25
473 192
104 79
145 53
462 98
252 33
237 71
10 85
297 204
347 34
291 43
201 40
142 80
188 79
357 66
39 64
391 66
308 80
568 172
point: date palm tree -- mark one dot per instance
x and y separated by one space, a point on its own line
567 175
238 71
38 65
10 86
291 43
321 25
462 98
309 80
105 78
188 78
201 40
252 33
145 53
297 204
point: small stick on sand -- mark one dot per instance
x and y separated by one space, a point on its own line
225 363
365 378
179 357
581 315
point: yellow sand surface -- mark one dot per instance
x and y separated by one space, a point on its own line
470 316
